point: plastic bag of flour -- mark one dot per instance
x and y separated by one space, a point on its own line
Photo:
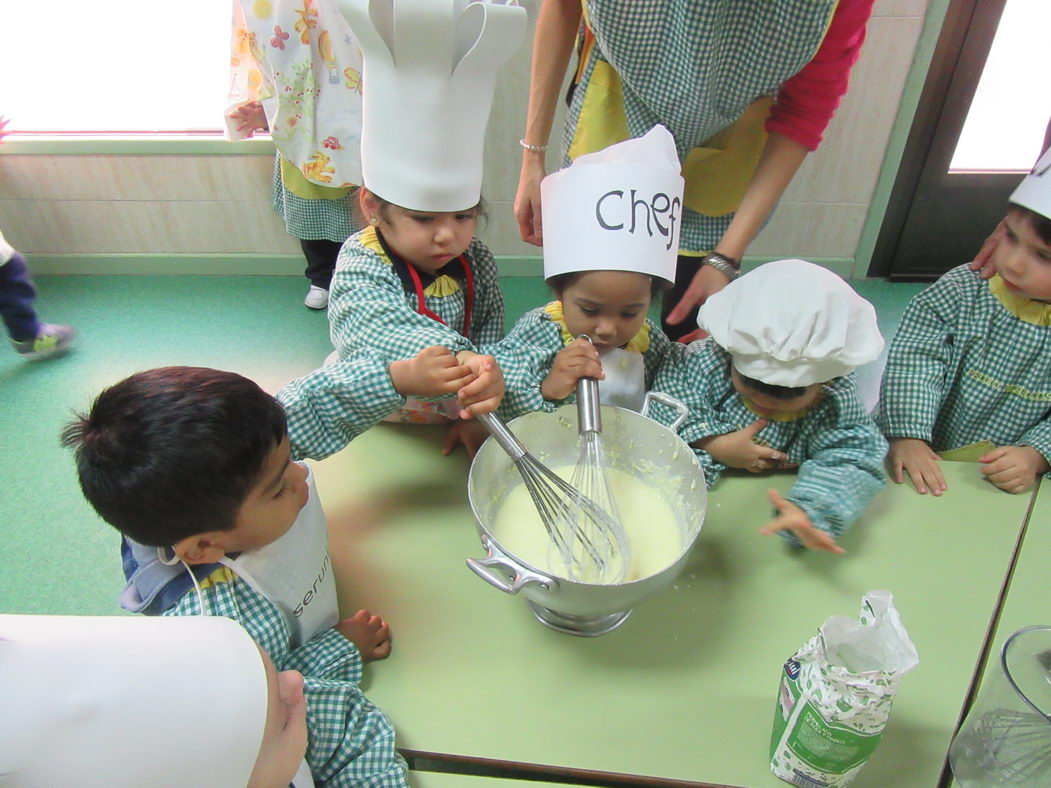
836 693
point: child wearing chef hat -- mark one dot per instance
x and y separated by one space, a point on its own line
416 276
195 469
115 701
968 368
771 387
611 228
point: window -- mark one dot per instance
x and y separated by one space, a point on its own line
116 66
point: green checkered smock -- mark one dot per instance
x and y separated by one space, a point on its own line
350 741
526 354
370 310
971 361
695 66
835 442
312 220
331 406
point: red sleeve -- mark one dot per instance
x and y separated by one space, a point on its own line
806 102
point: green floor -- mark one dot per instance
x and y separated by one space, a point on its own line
56 556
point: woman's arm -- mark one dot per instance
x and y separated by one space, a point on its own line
556 29
778 164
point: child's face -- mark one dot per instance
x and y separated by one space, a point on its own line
1022 259
608 306
766 406
285 733
427 240
273 503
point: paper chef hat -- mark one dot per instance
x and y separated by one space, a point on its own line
429 74
109 701
617 209
1034 192
792 323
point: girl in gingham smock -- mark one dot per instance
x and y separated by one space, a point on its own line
773 387
612 225
970 362
416 277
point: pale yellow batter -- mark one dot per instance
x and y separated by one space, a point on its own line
654 534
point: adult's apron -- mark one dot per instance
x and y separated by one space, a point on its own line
706 69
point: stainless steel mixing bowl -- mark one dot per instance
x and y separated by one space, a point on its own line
635 445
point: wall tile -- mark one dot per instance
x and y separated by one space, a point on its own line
811 230
144 227
900 7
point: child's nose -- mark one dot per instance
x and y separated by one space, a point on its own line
443 233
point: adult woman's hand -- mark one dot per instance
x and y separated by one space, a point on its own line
983 261
705 282
527 200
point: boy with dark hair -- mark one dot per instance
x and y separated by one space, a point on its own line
968 368
194 467
772 387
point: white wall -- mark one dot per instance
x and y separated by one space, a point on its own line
218 204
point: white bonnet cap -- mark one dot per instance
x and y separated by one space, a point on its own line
1034 192
792 323
618 209
121 700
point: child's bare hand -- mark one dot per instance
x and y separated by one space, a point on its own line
983 261
434 372
791 518
1013 468
484 391
250 118
916 458
371 634
470 433
738 449
577 360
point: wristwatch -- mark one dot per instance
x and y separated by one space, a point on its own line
726 266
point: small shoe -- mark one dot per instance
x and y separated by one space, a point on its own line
50 341
317 297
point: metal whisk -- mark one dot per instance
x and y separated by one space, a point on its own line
1012 747
574 522
591 480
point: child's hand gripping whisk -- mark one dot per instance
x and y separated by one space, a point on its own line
606 535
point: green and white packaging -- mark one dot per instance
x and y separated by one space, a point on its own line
836 693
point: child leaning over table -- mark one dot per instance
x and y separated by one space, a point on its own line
193 466
970 362
416 276
604 279
772 387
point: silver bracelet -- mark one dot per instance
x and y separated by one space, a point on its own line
534 148
726 266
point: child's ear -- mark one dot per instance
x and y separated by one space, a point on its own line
200 548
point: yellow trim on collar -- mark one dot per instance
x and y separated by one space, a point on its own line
443 285
639 343
371 241
221 575
1027 309
793 415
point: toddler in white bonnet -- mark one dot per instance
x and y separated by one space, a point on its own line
771 388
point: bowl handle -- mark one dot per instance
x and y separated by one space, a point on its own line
489 569
665 399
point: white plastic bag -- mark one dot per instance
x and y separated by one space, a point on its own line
836 693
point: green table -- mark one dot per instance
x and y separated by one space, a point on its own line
685 689
447 780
